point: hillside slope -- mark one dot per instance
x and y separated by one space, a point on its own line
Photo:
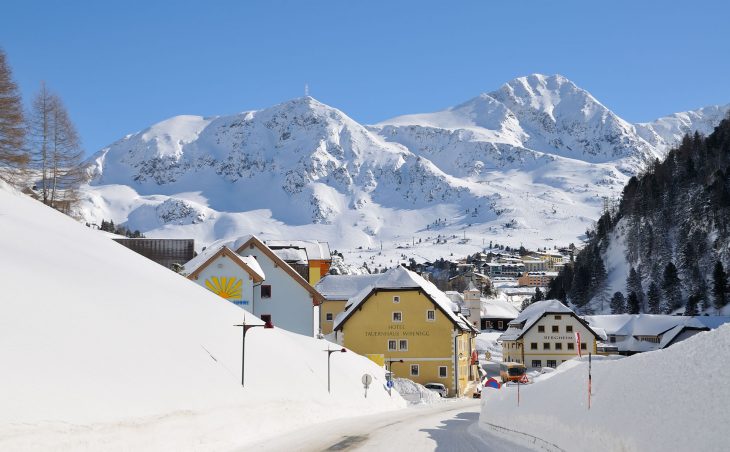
104 349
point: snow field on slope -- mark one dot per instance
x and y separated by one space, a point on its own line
104 349
671 399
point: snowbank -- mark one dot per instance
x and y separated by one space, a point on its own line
673 399
102 349
415 393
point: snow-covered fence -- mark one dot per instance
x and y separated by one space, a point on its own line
522 437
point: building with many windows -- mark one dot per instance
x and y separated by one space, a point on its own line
336 290
414 328
545 335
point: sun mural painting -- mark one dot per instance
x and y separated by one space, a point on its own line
226 287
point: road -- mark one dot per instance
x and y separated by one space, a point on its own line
444 427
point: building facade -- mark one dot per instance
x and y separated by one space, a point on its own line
337 290
231 277
406 318
545 335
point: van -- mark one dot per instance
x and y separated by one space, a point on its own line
511 371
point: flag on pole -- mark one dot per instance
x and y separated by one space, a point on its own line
577 343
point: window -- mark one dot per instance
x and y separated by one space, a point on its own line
396 299
571 346
546 346
430 315
612 339
391 345
583 346
533 346
541 328
552 363
568 328
329 316
414 370
500 324
403 345
558 346
536 363
558 317
443 371
397 316
556 329
265 291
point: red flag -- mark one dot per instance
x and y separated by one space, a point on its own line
577 342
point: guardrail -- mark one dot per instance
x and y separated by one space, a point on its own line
526 437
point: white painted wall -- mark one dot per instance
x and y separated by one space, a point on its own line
290 305
225 267
548 336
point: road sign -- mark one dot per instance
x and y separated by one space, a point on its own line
524 379
389 383
366 380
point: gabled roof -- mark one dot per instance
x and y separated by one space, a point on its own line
252 268
314 249
344 287
533 313
400 278
317 298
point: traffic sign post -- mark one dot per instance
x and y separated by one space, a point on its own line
366 380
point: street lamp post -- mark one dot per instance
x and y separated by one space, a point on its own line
329 353
245 329
389 364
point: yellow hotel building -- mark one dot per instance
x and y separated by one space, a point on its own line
401 316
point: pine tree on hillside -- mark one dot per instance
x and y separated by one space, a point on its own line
692 304
12 128
538 295
654 299
598 284
56 150
632 303
719 286
633 285
618 303
672 288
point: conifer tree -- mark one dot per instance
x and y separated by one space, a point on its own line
13 157
719 286
692 304
632 303
633 284
654 299
671 285
618 303
56 150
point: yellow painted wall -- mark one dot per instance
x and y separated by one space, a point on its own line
333 307
430 343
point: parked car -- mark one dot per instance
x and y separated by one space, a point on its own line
438 388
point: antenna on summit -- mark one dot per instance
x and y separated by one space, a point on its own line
306 90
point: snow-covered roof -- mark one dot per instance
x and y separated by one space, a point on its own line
497 309
402 278
455 297
248 264
292 255
344 287
232 244
530 315
629 327
315 250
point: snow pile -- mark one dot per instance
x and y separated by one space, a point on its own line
103 349
415 393
673 399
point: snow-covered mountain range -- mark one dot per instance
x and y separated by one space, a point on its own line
528 163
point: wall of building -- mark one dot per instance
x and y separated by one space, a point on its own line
224 267
512 350
333 307
290 304
430 343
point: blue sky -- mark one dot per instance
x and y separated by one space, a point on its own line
122 66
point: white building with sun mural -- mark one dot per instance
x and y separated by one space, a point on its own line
230 276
